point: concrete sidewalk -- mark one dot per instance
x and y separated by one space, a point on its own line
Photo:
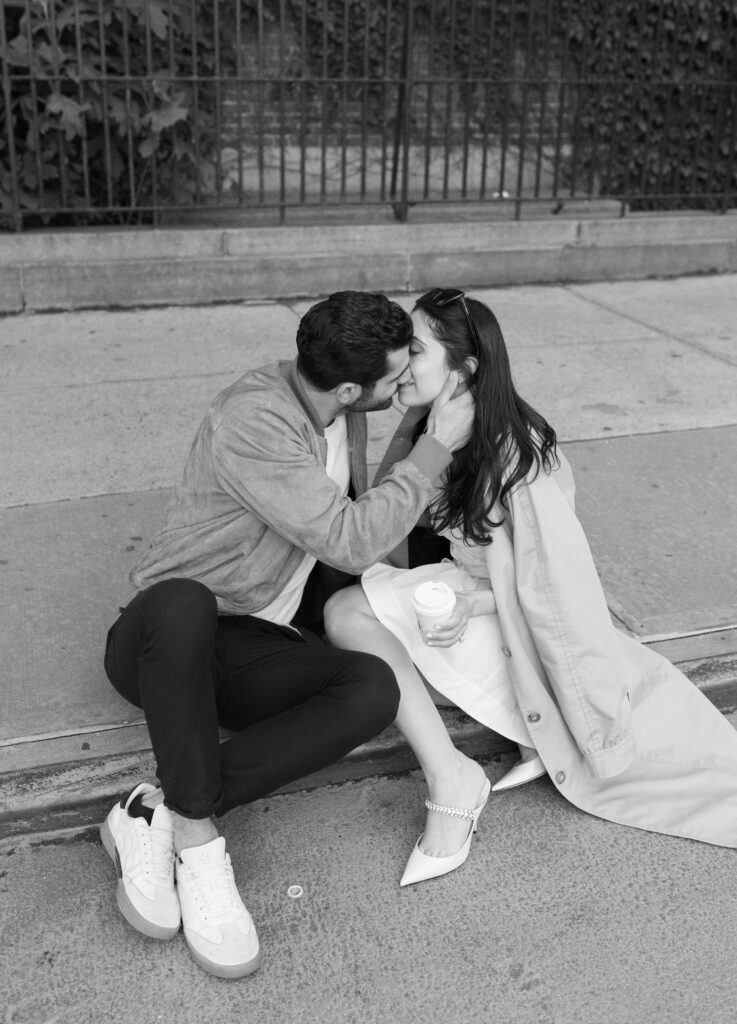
639 379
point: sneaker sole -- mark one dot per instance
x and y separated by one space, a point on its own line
225 970
126 907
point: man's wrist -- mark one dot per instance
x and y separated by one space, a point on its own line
430 456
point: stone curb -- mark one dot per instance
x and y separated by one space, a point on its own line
125 268
79 794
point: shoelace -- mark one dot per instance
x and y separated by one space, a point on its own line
158 853
216 891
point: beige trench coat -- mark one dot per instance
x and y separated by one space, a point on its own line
622 733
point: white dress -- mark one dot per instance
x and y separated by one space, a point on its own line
473 674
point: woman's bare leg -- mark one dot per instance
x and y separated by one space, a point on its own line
453 779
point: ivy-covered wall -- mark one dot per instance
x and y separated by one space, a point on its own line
656 114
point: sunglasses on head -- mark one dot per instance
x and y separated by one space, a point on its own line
444 297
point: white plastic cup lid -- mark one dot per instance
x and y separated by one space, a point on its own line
433 596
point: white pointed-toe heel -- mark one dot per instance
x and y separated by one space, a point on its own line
421 867
522 772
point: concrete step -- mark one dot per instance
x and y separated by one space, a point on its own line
46 797
141 267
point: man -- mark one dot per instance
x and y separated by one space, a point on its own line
273 510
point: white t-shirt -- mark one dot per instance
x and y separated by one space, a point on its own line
284 607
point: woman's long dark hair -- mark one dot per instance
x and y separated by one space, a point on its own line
509 437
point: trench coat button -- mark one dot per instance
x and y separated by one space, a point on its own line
506 652
533 717
560 777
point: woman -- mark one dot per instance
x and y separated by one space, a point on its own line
530 650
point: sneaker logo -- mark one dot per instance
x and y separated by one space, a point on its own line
205 857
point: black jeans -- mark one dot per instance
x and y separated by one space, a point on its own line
294 703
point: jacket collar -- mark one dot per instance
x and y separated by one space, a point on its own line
288 371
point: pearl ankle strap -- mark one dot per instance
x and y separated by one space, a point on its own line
456 812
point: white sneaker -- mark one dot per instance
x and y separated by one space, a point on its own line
218 928
144 858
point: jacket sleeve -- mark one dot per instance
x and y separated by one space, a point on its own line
566 612
269 466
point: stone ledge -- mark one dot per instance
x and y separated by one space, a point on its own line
80 793
144 267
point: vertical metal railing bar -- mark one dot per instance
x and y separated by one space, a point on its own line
171 74
128 103
36 113
105 104
634 111
670 98
486 106
407 132
591 186
653 97
728 191
615 149
428 86
197 140
385 93
721 93
522 143
466 143
303 114
56 79
343 127
542 101
450 86
365 93
216 98
260 168
563 91
193 80
719 88
688 88
150 81
402 136
575 132
237 94
401 100
505 81
707 86
81 94
323 105
382 103
282 108
483 113
16 212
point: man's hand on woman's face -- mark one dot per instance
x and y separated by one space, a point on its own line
451 419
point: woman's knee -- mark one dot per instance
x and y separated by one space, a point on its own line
342 614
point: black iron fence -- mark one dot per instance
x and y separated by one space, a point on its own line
139 110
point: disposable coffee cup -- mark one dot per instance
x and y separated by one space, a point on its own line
433 603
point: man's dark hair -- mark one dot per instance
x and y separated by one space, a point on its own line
348 336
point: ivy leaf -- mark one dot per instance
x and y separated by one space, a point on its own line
69 112
16 54
168 113
158 18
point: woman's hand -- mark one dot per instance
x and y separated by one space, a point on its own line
446 634
469 603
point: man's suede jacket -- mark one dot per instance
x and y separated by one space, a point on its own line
255 496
